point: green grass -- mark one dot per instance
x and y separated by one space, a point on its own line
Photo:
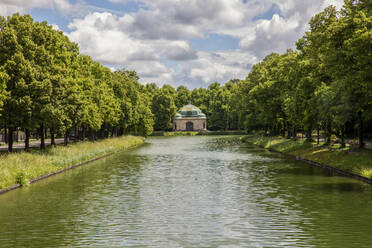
22 167
351 159
193 133
187 133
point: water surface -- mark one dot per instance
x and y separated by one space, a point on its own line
190 192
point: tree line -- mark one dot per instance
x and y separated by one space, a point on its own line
325 84
48 87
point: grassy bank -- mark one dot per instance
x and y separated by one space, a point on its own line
351 159
22 167
193 133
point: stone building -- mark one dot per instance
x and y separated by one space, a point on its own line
190 118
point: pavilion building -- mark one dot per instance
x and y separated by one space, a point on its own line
190 118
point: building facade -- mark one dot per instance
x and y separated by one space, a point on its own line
190 118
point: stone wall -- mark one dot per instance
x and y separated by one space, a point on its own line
180 124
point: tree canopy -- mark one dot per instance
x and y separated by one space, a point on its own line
325 84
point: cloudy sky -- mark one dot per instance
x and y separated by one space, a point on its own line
178 42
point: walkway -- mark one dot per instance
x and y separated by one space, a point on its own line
20 146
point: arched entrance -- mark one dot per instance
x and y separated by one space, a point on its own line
189 126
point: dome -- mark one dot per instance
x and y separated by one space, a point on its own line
189 111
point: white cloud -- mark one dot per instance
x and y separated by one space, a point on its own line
281 32
9 7
152 71
175 50
174 20
55 27
99 36
159 34
219 66
275 35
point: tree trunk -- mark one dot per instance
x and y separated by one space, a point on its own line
101 132
52 137
42 137
309 134
328 134
91 138
361 130
27 140
343 145
294 134
5 134
10 139
317 135
83 133
65 138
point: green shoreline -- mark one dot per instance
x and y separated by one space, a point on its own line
349 161
19 169
194 133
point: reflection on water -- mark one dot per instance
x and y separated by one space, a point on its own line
190 192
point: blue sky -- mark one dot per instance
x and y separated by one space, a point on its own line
178 42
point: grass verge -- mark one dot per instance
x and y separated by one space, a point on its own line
193 133
350 159
20 168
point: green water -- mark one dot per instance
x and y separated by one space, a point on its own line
190 192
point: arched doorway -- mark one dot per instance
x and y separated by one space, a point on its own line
189 126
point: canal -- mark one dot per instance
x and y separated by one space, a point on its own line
202 191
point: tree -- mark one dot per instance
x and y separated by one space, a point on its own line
183 96
164 109
348 57
17 53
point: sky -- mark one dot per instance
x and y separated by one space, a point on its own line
178 42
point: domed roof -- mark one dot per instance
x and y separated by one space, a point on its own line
189 107
190 110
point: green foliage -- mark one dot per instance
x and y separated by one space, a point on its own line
21 178
45 83
21 167
193 133
183 96
164 108
357 161
188 133
325 84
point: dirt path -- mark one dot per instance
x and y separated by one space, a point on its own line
368 144
20 146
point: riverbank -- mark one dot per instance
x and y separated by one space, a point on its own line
194 133
349 159
21 168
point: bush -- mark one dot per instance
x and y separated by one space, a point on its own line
21 178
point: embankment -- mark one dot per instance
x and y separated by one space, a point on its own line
22 168
194 133
349 161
